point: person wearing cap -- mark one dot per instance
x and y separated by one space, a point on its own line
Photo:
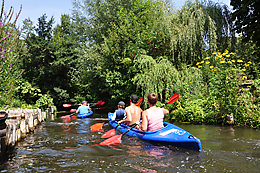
152 118
119 114
84 108
133 112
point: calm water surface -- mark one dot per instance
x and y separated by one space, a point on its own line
68 145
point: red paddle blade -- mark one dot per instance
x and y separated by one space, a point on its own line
97 126
109 133
113 140
73 110
173 98
102 108
100 103
66 105
65 116
140 101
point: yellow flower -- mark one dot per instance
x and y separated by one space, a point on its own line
199 66
229 62
233 60
214 53
234 68
243 69
246 64
239 60
211 70
249 62
226 52
207 62
198 63
207 57
231 53
244 77
227 55
222 61
202 62
211 67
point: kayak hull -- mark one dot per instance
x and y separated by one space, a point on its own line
170 134
87 115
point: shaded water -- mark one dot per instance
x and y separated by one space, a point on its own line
65 145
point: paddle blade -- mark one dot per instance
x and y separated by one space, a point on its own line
97 126
109 133
100 103
73 110
66 105
113 140
140 101
173 98
100 108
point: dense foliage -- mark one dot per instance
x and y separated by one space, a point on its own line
110 49
246 15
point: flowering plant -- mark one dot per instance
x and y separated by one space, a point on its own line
10 47
224 75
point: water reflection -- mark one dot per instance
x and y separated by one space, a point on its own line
68 145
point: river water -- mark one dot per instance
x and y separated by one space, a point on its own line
68 145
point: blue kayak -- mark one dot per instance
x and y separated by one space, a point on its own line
85 115
168 135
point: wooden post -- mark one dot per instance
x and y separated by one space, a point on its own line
18 134
26 122
43 116
23 128
10 134
30 122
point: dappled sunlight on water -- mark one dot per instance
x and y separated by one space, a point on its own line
69 145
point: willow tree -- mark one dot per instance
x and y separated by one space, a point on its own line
156 75
221 14
192 32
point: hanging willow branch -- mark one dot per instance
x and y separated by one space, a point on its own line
155 76
193 32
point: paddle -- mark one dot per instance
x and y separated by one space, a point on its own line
98 103
74 110
112 132
172 99
117 138
67 116
98 126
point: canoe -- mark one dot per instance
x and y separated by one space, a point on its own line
85 115
170 134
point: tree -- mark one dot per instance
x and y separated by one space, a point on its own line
246 14
38 60
66 42
221 15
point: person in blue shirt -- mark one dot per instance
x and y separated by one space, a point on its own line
84 108
120 112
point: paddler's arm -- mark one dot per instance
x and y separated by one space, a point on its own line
128 118
143 125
